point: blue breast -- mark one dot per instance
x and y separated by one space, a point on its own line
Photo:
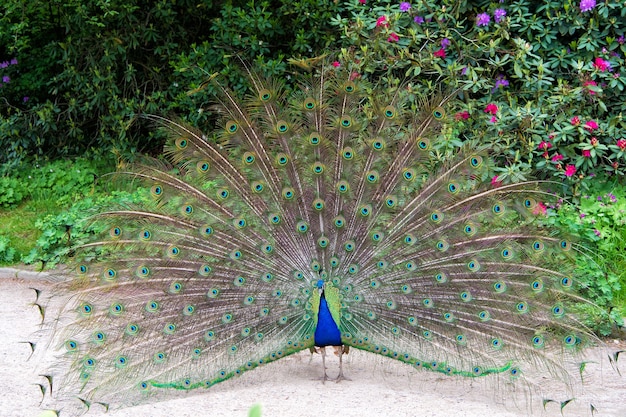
327 333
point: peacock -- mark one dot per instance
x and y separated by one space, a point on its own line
318 216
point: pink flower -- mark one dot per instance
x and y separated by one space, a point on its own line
464 115
597 232
441 53
540 209
570 170
493 119
382 21
586 153
557 157
622 144
575 120
591 125
544 146
336 64
495 182
601 65
491 108
393 37
587 84
354 75
362 1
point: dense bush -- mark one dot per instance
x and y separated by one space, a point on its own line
77 72
542 82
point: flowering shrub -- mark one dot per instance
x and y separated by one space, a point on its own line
77 88
547 76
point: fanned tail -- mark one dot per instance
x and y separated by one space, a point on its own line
216 271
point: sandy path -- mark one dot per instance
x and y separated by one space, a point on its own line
379 387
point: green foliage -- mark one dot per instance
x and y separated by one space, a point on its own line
84 70
598 224
60 181
7 253
543 84
47 189
61 232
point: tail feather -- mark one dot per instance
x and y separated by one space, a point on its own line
216 271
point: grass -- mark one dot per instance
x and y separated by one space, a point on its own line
18 224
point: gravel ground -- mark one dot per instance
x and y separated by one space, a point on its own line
379 387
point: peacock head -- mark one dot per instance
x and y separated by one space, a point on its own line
320 285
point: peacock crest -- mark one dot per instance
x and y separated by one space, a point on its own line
319 217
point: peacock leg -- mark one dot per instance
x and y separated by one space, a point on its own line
341 350
323 352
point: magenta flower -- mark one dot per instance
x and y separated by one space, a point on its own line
544 146
464 115
591 125
382 21
590 83
622 144
495 182
498 15
587 5
586 153
393 37
557 157
336 64
491 108
482 19
575 121
601 65
570 170
362 1
405 6
441 53
540 209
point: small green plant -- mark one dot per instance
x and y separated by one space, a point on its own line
12 191
61 232
7 253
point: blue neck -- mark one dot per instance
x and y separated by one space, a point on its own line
327 333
